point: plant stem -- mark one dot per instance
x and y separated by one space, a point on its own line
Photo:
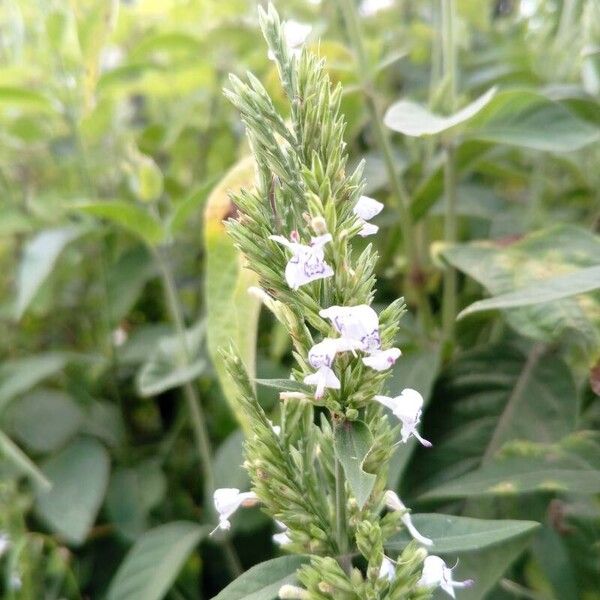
449 300
353 30
192 401
340 516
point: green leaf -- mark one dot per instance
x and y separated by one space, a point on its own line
530 398
39 257
25 100
132 493
352 442
537 257
228 461
170 365
262 582
44 420
571 466
151 566
135 219
188 207
530 120
232 313
14 455
79 476
287 385
452 534
417 370
18 376
415 120
547 290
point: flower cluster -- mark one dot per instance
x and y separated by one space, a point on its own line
323 481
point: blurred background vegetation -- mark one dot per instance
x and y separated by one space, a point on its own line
119 284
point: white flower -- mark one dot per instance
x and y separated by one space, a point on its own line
276 428
295 34
282 538
394 503
308 262
321 358
381 360
365 209
408 407
227 501
4 543
436 573
369 8
387 569
361 324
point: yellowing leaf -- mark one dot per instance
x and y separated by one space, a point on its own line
232 312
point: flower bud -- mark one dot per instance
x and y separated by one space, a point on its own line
292 592
319 225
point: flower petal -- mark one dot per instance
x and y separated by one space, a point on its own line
382 359
366 208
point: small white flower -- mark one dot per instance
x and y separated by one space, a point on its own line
408 407
295 34
436 573
308 262
381 360
4 543
365 209
387 569
227 501
119 336
361 324
282 538
276 428
369 8
321 357
394 503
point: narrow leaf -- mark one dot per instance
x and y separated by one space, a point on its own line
415 120
547 290
263 581
152 564
286 385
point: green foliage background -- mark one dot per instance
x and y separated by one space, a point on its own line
119 285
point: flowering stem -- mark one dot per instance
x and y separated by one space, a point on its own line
353 30
449 300
192 400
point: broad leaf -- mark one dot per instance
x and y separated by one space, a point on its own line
352 442
416 120
18 376
537 257
39 257
232 313
171 364
548 290
263 581
151 566
10 452
481 408
571 466
79 476
530 120
452 534
136 219
44 420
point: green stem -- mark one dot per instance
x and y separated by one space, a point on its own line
340 516
449 299
192 401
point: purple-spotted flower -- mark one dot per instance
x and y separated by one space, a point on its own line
365 209
408 407
321 357
361 324
227 501
308 262
394 503
437 573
